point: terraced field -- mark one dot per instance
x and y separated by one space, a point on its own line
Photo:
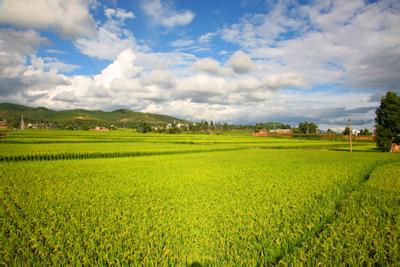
218 200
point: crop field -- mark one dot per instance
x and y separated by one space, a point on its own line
123 198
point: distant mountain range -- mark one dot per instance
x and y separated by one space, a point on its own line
79 118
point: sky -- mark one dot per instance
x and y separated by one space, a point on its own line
235 61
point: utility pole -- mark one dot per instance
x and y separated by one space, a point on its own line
273 122
22 125
350 135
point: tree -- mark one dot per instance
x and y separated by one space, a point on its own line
365 132
346 131
307 127
143 127
388 121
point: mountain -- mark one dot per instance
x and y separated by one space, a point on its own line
79 118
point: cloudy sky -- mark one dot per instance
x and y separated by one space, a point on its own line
238 61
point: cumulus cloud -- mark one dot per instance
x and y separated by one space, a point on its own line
15 45
71 19
200 88
164 79
164 14
351 43
66 96
240 62
16 75
122 68
110 38
211 66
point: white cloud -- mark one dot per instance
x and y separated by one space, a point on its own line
15 45
350 43
164 14
164 79
200 88
110 39
211 66
182 43
122 68
21 72
206 38
70 19
240 62
52 64
118 13
66 96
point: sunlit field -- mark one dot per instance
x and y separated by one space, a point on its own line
120 197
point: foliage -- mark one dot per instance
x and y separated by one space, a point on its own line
271 125
388 121
365 132
346 131
79 119
306 128
143 127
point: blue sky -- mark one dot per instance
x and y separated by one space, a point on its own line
242 61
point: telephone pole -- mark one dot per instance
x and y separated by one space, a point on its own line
350 137
22 125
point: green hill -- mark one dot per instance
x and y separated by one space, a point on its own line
79 118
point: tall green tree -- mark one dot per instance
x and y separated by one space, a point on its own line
307 128
346 131
143 127
388 121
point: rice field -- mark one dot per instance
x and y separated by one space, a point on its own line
195 199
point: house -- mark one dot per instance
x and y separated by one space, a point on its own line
98 128
395 148
262 132
281 131
181 125
355 132
3 124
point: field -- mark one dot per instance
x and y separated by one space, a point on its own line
74 197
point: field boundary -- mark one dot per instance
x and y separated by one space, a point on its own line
126 154
97 155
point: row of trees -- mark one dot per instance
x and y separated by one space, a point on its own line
363 132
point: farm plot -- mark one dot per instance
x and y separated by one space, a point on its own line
365 230
243 207
50 145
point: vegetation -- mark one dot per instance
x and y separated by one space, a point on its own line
126 198
306 128
365 227
388 121
79 118
271 125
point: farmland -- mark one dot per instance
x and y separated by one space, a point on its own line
74 197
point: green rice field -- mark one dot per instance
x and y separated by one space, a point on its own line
124 198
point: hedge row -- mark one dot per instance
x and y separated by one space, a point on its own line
93 155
